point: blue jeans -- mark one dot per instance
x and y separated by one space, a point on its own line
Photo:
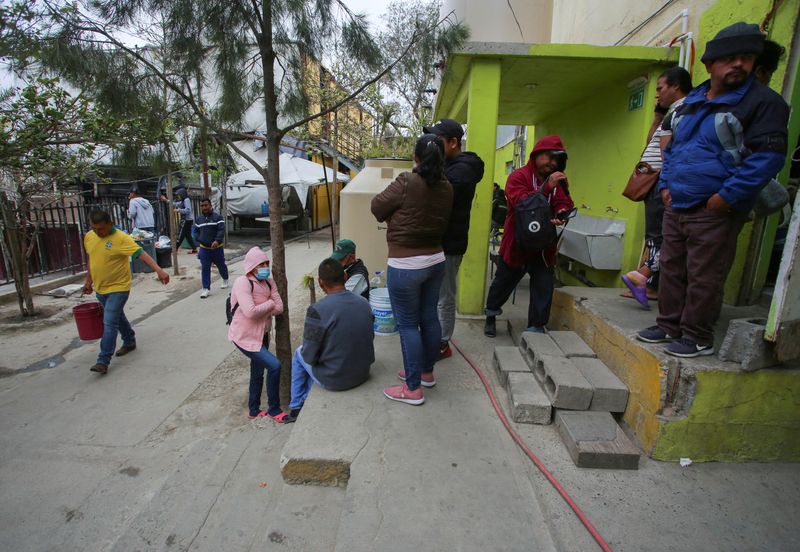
207 257
414 295
302 380
259 361
114 321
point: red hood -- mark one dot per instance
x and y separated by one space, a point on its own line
548 143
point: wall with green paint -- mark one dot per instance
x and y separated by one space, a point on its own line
604 141
504 154
737 417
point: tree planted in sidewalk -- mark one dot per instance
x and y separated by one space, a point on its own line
48 140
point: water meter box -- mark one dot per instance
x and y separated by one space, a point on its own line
595 242
357 222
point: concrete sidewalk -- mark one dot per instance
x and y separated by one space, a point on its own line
158 455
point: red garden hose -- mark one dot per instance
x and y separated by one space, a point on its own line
518 440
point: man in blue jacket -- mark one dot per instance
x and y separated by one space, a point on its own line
728 140
209 232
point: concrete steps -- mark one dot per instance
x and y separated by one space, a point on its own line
559 372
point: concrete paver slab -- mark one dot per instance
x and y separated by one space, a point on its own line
507 360
609 394
529 403
594 440
572 344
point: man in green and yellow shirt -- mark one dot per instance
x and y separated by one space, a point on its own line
109 252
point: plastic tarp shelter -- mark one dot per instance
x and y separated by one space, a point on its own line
246 191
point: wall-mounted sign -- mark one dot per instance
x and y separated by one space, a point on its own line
636 99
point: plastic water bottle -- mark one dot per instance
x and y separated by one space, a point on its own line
377 281
264 209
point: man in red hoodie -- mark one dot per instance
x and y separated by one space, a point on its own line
545 168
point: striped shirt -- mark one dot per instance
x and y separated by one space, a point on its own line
652 153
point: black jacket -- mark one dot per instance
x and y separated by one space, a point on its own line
464 172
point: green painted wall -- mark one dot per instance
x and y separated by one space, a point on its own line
502 156
737 417
604 141
482 107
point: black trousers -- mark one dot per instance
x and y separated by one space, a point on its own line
541 289
186 233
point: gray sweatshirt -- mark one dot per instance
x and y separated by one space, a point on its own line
337 340
141 213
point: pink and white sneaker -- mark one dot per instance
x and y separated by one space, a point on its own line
403 394
427 379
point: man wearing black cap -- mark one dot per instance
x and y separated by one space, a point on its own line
728 141
464 170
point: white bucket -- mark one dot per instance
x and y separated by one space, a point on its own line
384 323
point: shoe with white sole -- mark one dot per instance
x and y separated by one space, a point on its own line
403 394
686 348
205 293
224 284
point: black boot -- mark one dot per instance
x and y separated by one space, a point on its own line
489 329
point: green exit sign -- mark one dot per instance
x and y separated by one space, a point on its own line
636 99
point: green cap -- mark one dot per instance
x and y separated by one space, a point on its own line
343 248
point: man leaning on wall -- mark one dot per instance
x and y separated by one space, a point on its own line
463 170
728 140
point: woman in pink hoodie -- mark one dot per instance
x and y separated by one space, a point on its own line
255 300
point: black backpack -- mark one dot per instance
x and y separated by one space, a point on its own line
229 312
533 230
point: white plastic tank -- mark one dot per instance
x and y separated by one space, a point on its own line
357 222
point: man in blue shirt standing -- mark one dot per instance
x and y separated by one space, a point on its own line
728 140
209 232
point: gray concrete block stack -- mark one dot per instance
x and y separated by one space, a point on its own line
559 372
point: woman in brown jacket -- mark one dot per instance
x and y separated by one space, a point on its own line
417 207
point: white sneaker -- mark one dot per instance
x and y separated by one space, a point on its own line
205 293
224 284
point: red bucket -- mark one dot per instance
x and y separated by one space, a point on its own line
89 319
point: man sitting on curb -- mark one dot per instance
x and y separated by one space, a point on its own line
337 348
355 272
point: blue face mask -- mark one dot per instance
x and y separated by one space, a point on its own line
262 273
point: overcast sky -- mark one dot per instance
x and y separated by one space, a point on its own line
373 8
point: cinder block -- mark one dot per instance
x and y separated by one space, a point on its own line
609 394
533 345
563 383
594 440
529 404
507 360
572 345
744 343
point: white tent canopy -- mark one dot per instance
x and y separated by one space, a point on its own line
246 191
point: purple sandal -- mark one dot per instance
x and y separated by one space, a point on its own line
640 294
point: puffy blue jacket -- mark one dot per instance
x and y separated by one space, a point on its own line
731 145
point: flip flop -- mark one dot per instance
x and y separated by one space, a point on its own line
640 294
282 418
259 415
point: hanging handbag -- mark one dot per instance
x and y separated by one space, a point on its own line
641 181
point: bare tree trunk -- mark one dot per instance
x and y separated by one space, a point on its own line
18 245
283 338
171 226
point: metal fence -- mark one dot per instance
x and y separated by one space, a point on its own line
58 240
